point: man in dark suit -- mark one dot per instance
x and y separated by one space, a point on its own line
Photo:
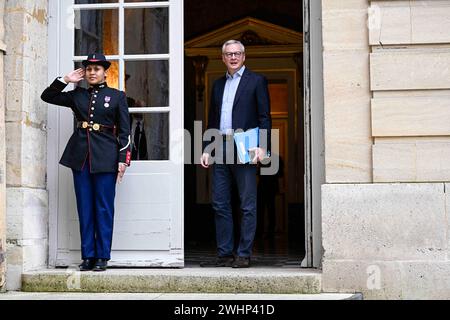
98 153
239 100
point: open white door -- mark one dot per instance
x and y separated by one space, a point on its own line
144 40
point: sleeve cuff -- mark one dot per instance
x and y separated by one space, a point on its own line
58 84
125 158
62 80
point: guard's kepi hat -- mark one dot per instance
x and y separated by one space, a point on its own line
96 58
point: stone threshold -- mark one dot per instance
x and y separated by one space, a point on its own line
187 280
174 296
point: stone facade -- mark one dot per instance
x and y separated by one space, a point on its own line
2 155
26 115
388 241
385 201
385 226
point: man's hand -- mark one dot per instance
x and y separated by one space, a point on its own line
122 168
204 160
260 154
75 76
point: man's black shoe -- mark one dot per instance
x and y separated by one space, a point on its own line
100 265
87 265
241 262
226 261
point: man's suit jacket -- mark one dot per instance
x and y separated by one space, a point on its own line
251 107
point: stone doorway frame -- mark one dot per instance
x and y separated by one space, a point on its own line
314 130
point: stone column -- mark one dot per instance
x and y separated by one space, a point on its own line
2 156
26 196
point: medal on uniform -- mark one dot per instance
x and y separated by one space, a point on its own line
107 100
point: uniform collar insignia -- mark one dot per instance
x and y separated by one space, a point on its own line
98 86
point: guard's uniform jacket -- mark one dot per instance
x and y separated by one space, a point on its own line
102 136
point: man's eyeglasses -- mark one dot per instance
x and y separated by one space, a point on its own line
238 54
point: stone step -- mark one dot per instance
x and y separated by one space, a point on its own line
174 296
187 280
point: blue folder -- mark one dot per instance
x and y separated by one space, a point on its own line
245 141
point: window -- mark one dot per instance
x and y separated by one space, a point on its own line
134 36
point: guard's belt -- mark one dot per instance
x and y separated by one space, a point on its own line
95 127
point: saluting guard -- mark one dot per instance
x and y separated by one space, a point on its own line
98 152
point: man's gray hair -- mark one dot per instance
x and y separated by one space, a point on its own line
229 42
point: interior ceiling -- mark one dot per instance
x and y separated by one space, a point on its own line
202 16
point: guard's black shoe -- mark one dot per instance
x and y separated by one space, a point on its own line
100 265
87 265
241 262
226 261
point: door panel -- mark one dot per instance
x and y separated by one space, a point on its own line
148 224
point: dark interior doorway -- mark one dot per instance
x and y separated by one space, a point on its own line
280 238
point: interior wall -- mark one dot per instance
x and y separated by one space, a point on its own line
203 16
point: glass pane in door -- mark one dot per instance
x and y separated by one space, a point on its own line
147 31
149 136
94 1
147 83
96 31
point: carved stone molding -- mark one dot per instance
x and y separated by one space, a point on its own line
261 37
251 38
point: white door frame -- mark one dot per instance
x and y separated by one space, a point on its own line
60 57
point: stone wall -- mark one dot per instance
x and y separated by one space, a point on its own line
348 142
387 92
388 241
26 115
410 83
2 155
387 88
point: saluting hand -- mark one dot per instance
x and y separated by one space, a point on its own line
74 76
